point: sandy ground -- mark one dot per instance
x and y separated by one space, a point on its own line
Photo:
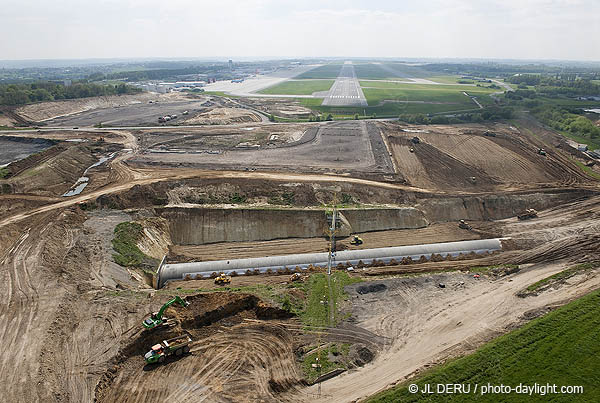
451 157
221 116
6 121
428 324
50 110
68 311
341 145
444 232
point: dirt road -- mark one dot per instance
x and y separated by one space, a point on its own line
427 324
149 176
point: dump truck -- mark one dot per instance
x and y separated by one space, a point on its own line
222 279
157 319
176 346
356 240
527 214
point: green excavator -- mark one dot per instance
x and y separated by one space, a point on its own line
157 319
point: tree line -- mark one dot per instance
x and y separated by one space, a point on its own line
21 94
571 121
490 113
566 85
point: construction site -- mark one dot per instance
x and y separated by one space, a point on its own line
225 257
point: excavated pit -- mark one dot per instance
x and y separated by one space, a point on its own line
215 321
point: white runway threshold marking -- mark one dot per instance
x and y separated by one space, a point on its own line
346 84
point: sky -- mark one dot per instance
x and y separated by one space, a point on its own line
487 29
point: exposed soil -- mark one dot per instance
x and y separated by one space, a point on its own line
476 157
71 317
446 232
426 324
236 352
224 116
48 110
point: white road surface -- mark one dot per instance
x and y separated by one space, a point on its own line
250 86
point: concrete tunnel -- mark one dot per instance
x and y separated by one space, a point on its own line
178 271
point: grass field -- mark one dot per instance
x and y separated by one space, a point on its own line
445 79
404 70
371 71
325 71
451 95
299 87
559 348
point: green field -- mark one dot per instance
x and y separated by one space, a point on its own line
372 71
403 70
451 97
299 87
560 348
445 79
325 71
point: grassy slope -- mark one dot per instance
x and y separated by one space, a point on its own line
127 234
560 348
299 87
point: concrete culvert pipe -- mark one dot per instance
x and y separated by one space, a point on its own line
178 271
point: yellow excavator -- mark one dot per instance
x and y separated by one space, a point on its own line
222 279
356 240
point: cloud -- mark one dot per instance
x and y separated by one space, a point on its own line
559 29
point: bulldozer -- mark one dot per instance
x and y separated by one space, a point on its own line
356 240
464 225
527 214
222 279
157 318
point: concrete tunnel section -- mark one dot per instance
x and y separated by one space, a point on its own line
179 271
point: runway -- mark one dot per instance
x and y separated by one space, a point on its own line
346 90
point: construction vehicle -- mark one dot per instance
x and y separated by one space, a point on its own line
412 150
295 277
464 225
527 214
356 240
222 279
176 346
157 318
161 119
541 151
184 112
415 140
